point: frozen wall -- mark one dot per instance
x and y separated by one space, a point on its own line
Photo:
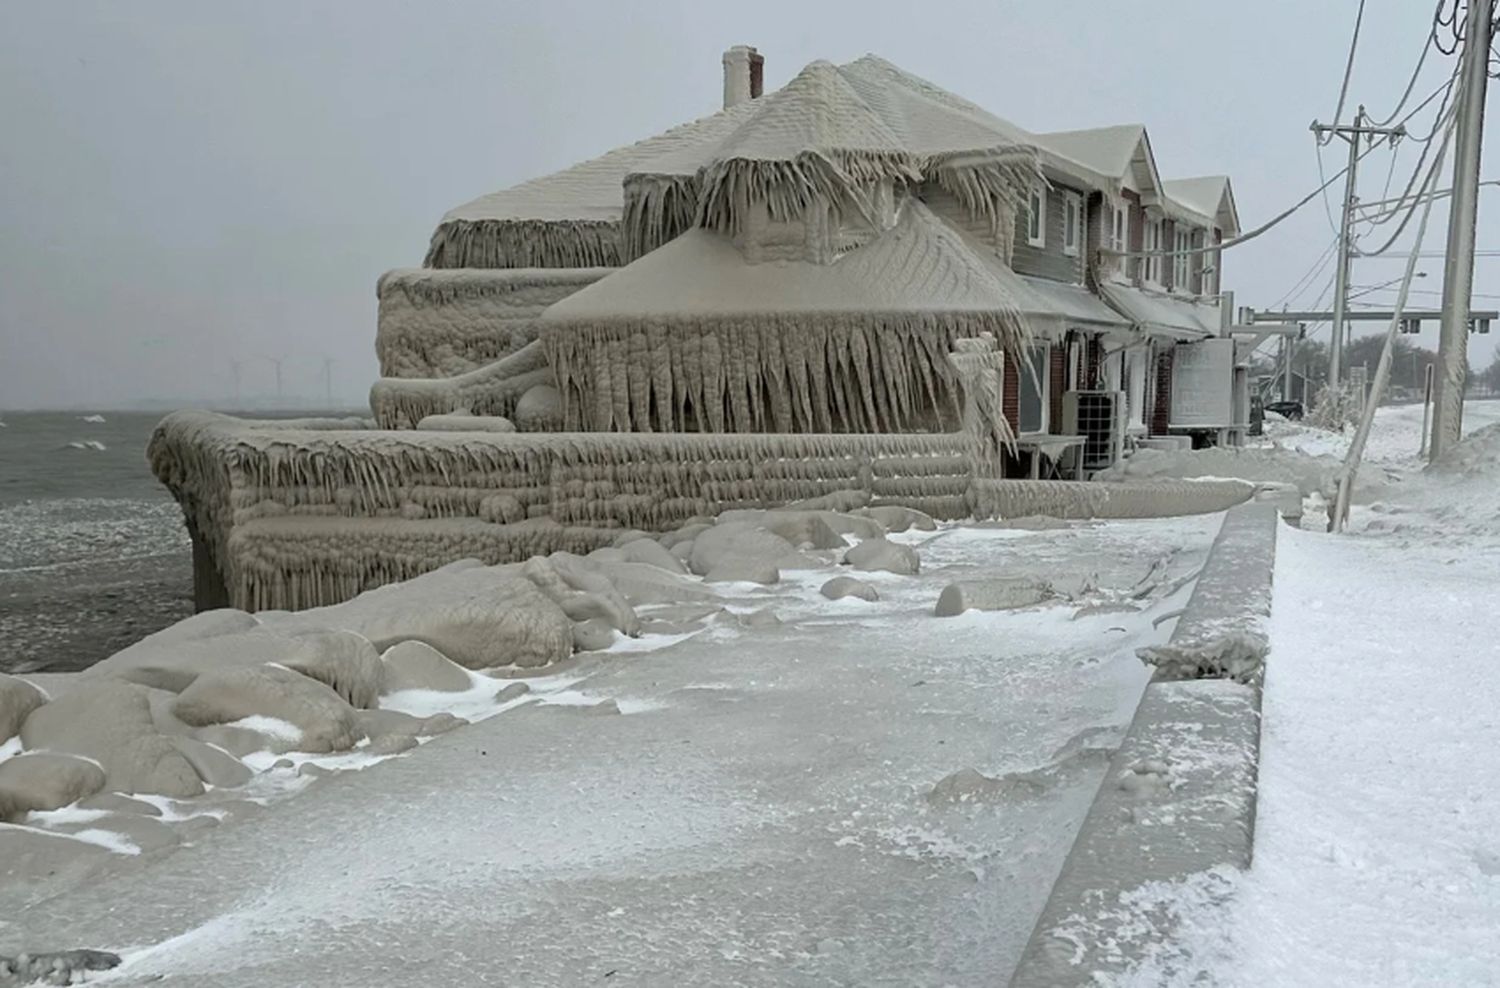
439 323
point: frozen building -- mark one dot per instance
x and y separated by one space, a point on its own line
857 284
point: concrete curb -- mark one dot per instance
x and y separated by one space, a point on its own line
1179 796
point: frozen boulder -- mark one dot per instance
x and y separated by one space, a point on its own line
45 781
800 528
111 723
325 719
747 547
652 553
172 663
847 586
582 592
631 535
414 665
241 741
685 533
593 635
344 662
884 555
751 570
642 583
215 766
480 618
18 699
998 594
897 518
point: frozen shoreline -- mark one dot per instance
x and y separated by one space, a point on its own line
780 779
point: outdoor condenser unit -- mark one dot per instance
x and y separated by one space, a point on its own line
1099 416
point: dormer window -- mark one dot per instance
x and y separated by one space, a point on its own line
1036 217
1182 265
1121 231
1151 266
1072 223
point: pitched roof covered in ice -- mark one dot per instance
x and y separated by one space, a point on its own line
830 130
1207 195
921 264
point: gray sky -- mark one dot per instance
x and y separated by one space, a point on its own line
184 183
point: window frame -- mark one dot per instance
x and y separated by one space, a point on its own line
1151 237
1041 352
1036 217
1182 267
1072 224
1121 231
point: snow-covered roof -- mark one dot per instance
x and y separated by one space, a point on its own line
920 265
1163 316
1108 150
1208 195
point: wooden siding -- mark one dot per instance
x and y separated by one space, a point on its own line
1049 261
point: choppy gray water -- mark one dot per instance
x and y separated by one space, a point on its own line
93 554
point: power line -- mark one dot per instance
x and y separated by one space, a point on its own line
1338 113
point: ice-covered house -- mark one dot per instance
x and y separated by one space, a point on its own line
1047 214
859 283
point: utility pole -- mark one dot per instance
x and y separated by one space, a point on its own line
1350 133
1458 267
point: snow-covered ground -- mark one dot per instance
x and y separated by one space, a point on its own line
1377 840
858 793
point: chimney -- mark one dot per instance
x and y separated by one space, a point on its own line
744 73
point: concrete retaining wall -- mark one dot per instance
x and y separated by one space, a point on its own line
1179 797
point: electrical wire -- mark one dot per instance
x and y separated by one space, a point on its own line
1312 272
1338 113
1356 250
1411 84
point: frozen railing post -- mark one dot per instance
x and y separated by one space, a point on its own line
980 363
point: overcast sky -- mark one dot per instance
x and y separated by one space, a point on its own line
187 183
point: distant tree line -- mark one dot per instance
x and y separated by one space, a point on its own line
1408 367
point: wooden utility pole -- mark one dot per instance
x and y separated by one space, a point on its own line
1458 267
1352 134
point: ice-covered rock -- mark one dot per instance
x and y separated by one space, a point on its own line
215 766
18 699
996 594
897 518
752 570
414 665
325 719
883 554
593 635
746 546
479 617
110 722
848 586
344 662
45 781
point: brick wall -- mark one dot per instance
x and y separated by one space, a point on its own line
1058 383
1161 398
1010 399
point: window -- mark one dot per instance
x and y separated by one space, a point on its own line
1072 223
1034 376
1151 266
1121 238
1036 217
1182 263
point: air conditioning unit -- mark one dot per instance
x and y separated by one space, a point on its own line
1099 416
